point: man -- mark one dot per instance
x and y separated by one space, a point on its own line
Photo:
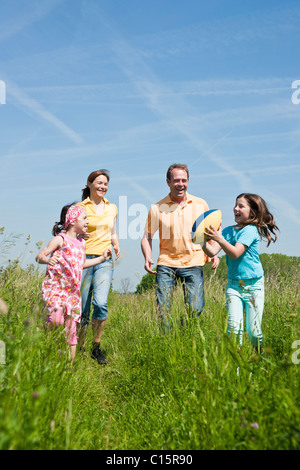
178 257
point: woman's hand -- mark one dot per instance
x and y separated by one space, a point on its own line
117 250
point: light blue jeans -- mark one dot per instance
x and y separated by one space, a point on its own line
166 281
245 295
96 283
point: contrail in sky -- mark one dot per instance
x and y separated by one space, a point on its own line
37 109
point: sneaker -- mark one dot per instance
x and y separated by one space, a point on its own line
98 355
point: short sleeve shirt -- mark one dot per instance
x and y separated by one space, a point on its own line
248 265
100 227
174 223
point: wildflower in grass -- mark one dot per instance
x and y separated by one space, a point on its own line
39 244
254 425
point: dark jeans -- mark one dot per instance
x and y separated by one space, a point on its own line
192 281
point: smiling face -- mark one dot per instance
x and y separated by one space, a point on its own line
241 211
81 223
178 184
98 188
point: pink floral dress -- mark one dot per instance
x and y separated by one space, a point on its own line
61 287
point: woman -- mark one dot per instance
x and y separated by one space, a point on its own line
96 281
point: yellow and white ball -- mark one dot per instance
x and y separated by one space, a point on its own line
211 217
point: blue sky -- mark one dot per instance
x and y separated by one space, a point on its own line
134 86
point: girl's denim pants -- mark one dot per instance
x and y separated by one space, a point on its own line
245 295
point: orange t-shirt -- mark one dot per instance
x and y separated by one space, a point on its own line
174 223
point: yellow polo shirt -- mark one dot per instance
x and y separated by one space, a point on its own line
174 223
100 227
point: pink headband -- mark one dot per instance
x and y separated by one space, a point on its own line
72 214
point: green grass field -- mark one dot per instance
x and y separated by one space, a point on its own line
188 389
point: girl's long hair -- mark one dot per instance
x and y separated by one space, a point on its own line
59 226
260 216
92 176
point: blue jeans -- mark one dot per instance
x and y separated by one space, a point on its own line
248 295
96 283
166 281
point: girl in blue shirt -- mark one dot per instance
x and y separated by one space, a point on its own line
240 242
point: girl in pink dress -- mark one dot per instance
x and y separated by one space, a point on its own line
61 287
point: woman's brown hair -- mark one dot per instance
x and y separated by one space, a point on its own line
260 216
92 176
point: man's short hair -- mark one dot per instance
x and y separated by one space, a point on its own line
181 166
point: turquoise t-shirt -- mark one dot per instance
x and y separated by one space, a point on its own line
248 265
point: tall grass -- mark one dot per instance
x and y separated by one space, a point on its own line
188 389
